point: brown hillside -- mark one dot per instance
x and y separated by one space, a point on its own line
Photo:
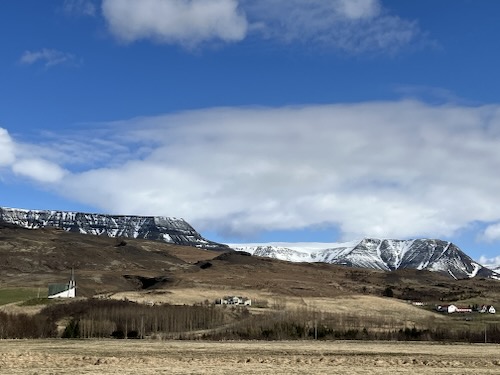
33 258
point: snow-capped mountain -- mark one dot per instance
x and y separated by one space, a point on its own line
382 254
167 229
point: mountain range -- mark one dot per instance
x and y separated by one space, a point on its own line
383 254
168 229
380 254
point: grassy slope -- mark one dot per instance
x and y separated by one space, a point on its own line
11 295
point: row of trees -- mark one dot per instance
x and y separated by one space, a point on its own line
124 319
121 319
109 318
22 326
290 326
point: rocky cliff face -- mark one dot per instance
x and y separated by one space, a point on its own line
383 254
167 229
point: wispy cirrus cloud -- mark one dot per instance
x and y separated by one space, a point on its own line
355 26
430 94
48 58
80 7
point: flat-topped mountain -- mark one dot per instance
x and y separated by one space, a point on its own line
167 229
382 254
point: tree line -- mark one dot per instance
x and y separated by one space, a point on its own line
95 318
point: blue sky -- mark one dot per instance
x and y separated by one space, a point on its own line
258 120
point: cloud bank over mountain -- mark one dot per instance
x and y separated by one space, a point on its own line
384 169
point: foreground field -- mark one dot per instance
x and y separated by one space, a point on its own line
45 357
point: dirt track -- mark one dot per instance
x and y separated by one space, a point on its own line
43 357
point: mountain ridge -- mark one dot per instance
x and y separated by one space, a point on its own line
371 253
383 254
167 229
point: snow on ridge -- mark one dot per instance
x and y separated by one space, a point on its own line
476 269
384 254
311 252
70 215
297 246
168 229
403 250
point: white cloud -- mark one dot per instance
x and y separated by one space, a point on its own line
39 170
29 164
355 26
388 169
48 57
6 148
492 233
79 7
358 9
187 22
490 262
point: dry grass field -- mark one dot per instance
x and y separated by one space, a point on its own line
43 357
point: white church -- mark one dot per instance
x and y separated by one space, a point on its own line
67 290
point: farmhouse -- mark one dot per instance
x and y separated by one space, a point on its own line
455 309
234 300
450 309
